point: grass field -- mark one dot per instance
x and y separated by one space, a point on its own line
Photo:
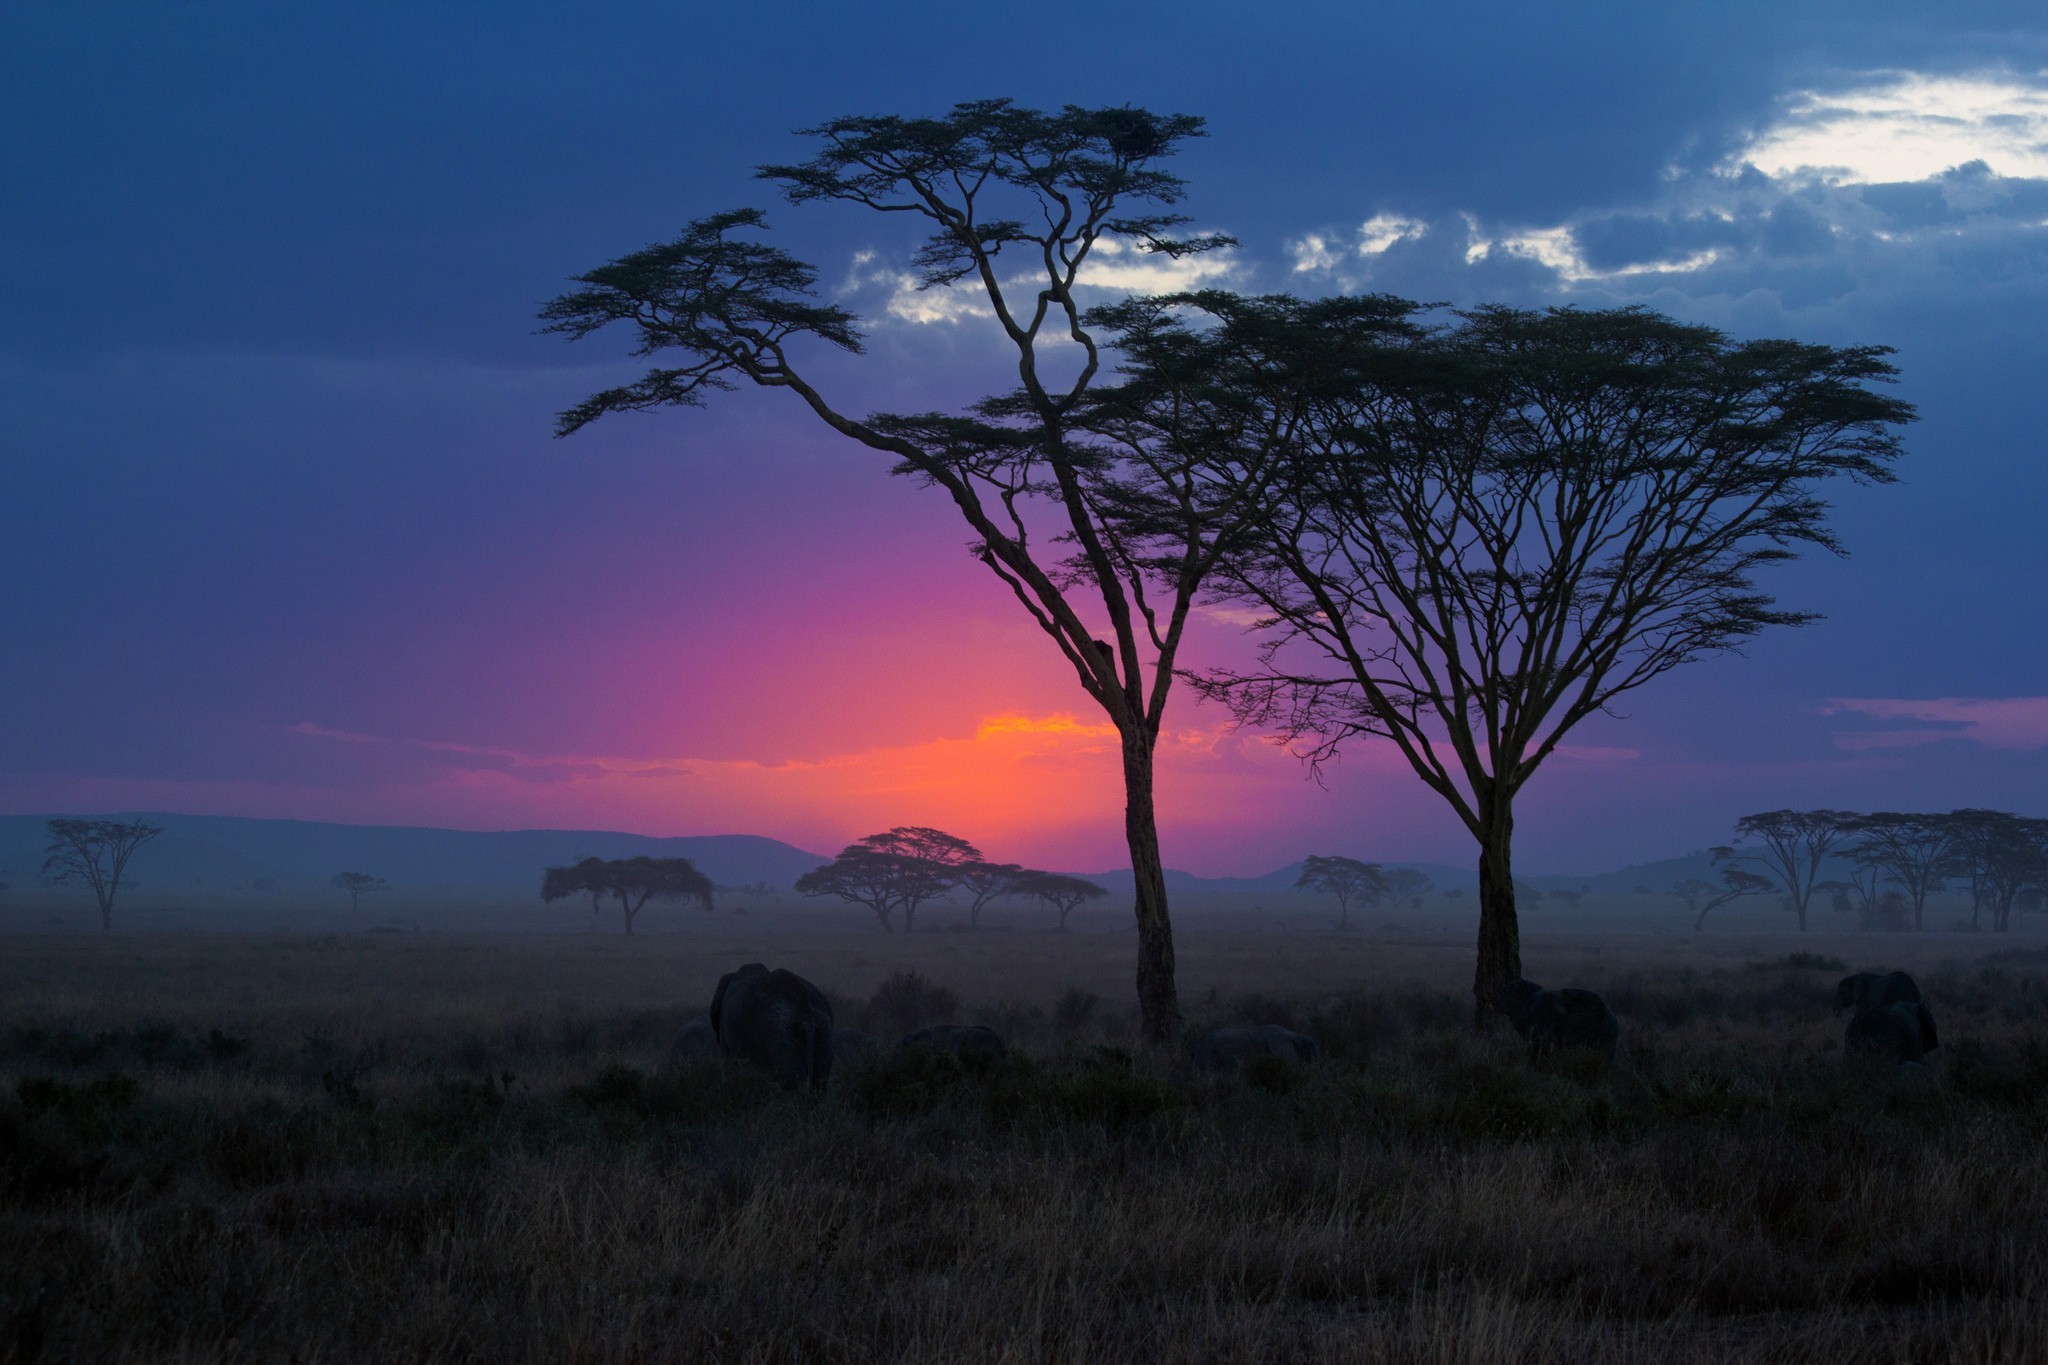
262 1148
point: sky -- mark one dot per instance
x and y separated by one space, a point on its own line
284 530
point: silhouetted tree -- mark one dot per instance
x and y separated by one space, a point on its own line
1058 890
94 853
356 885
631 881
983 882
2000 854
1790 847
1345 878
1915 851
1516 519
1103 532
1409 885
898 869
1703 898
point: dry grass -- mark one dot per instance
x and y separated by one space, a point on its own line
243 1149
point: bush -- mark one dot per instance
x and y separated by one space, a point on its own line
905 1003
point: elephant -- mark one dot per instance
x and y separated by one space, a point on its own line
697 1042
850 1047
1902 1031
1554 1020
1868 990
776 1021
1232 1046
962 1040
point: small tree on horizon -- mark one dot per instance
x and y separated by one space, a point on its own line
1345 878
356 885
898 869
1058 890
94 853
1792 845
984 882
633 882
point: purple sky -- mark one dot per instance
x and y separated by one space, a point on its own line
283 530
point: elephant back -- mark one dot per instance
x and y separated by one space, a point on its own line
1897 1032
1516 1000
777 1021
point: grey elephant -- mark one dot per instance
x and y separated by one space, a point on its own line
850 1047
1902 1031
962 1040
776 1021
696 1042
1234 1045
1552 1021
1868 990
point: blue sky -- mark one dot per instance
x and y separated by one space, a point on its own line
274 426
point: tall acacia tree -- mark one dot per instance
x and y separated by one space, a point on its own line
95 853
1102 532
1518 518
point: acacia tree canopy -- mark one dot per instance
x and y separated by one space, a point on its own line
1510 520
1016 203
94 853
898 869
1345 878
631 881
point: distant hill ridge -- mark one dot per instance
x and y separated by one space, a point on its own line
231 851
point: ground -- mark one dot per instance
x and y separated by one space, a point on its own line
467 1147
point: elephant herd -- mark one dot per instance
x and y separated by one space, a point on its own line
781 1024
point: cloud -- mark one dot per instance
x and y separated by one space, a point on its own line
1891 183
1114 266
2018 723
1903 126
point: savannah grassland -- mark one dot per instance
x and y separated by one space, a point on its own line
445 1147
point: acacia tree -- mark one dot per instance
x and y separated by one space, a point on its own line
356 885
1059 891
898 869
1703 898
1345 878
95 853
631 881
1791 846
2001 854
1518 518
1102 532
1915 851
983 882
1407 886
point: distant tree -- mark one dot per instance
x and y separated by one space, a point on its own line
1567 896
2000 854
1407 886
1703 898
1791 846
356 885
1514 520
94 853
633 882
1916 852
1058 890
984 882
898 869
1345 878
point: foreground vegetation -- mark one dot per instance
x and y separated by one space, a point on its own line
218 1174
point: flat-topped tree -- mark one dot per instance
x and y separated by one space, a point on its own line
1791 846
633 882
1060 891
1017 202
1514 520
94 853
1345 878
356 885
898 869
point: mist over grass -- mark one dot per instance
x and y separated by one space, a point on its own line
343 1147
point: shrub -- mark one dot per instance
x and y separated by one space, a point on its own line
906 1002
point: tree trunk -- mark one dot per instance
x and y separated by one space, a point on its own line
1158 999
1500 935
106 915
909 918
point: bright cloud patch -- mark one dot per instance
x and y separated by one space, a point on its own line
1113 267
1383 230
1905 127
1994 722
1889 179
